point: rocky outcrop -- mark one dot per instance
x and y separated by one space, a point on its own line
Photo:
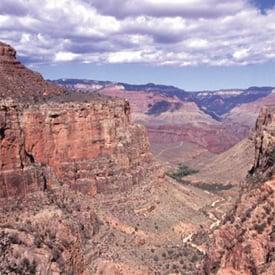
49 136
7 52
92 146
17 81
245 243
265 144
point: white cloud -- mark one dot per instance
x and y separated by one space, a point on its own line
197 43
241 54
161 8
160 32
65 56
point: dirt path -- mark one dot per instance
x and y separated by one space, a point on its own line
169 148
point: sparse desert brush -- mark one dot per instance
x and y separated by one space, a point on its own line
272 157
180 172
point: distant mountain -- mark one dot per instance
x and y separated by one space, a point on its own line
82 84
218 103
215 103
163 89
213 120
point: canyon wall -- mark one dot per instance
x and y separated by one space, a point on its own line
265 143
245 243
92 146
49 136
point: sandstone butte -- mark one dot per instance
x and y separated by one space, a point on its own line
49 136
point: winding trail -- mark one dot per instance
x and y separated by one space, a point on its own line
169 148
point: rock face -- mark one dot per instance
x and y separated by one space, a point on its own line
244 244
87 145
46 233
48 136
17 81
265 143
7 52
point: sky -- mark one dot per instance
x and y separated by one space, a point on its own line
192 44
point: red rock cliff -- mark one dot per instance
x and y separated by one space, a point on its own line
86 141
265 143
17 81
245 243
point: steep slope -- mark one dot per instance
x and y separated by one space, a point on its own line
17 81
228 168
245 115
173 116
265 144
49 136
128 217
46 232
244 244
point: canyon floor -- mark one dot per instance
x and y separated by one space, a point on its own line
158 228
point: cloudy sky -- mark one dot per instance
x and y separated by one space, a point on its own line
194 44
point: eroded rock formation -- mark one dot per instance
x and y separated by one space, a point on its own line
49 136
244 244
265 143
17 81
45 233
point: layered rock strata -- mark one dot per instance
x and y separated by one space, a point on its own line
17 81
49 136
87 145
265 143
245 243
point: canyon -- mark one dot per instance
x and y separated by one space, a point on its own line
244 244
81 192
200 124
85 141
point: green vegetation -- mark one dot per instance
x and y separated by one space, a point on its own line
272 157
181 171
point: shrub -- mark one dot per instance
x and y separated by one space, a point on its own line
181 171
272 157
260 227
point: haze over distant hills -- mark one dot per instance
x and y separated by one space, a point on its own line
216 103
212 121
